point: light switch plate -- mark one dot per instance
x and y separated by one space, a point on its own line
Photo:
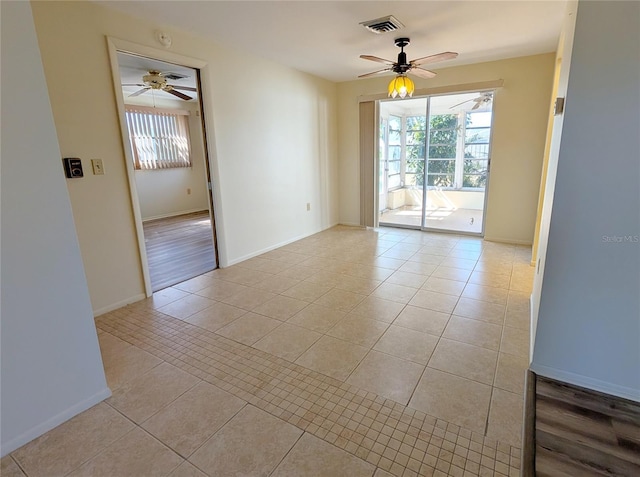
98 169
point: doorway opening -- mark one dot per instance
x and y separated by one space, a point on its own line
169 174
434 158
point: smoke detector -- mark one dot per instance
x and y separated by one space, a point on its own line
383 25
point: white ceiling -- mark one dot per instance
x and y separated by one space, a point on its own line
325 38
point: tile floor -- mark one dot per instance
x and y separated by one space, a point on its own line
351 352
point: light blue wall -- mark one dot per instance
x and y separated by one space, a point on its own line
51 364
588 330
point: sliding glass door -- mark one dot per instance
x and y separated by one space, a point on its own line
442 146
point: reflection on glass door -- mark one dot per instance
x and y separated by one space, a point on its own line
457 165
441 144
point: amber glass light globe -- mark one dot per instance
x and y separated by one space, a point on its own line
401 86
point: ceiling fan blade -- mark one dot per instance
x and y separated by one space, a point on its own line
374 73
177 93
421 72
446 55
459 104
133 84
379 60
186 88
139 92
477 105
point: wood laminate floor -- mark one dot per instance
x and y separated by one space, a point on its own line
585 433
179 248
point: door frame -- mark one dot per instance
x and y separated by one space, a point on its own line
116 45
486 187
368 184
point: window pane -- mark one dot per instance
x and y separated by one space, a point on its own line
415 165
416 123
440 180
444 121
394 167
479 120
394 153
415 137
394 181
394 137
442 152
476 151
395 122
448 167
477 135
475 167
415 152
473 180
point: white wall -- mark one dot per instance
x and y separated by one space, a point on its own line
588 330
51 364
165 192
274 150
521 109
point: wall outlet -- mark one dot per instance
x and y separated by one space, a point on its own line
98 168
188 191
308 206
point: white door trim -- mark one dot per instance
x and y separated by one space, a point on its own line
116 45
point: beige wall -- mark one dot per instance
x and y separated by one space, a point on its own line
521 110
275 136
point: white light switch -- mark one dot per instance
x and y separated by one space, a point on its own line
98 169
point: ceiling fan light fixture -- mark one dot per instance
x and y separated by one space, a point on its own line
401 86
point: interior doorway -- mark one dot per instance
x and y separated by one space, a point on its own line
169 174
434 155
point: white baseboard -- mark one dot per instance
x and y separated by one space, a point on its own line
586 382
508 241
174 214
55 421
119 304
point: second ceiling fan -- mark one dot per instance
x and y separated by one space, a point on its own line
402 66
157 80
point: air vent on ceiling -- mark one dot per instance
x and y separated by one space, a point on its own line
383 25
173 76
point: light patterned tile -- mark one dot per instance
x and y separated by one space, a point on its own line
252 443
434 301
135 454
465 360
340 300
66 447
422 319
280 307
407 344
317 318
333 357
387 376
190 420
358 330
141 398
288 341
249 328
434 392
378 309
313 457
477 333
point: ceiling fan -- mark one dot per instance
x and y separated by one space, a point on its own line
156 80
402 66
484 98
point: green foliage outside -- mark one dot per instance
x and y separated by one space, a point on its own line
444 130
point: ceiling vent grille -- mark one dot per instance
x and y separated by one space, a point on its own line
174 76
383 25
